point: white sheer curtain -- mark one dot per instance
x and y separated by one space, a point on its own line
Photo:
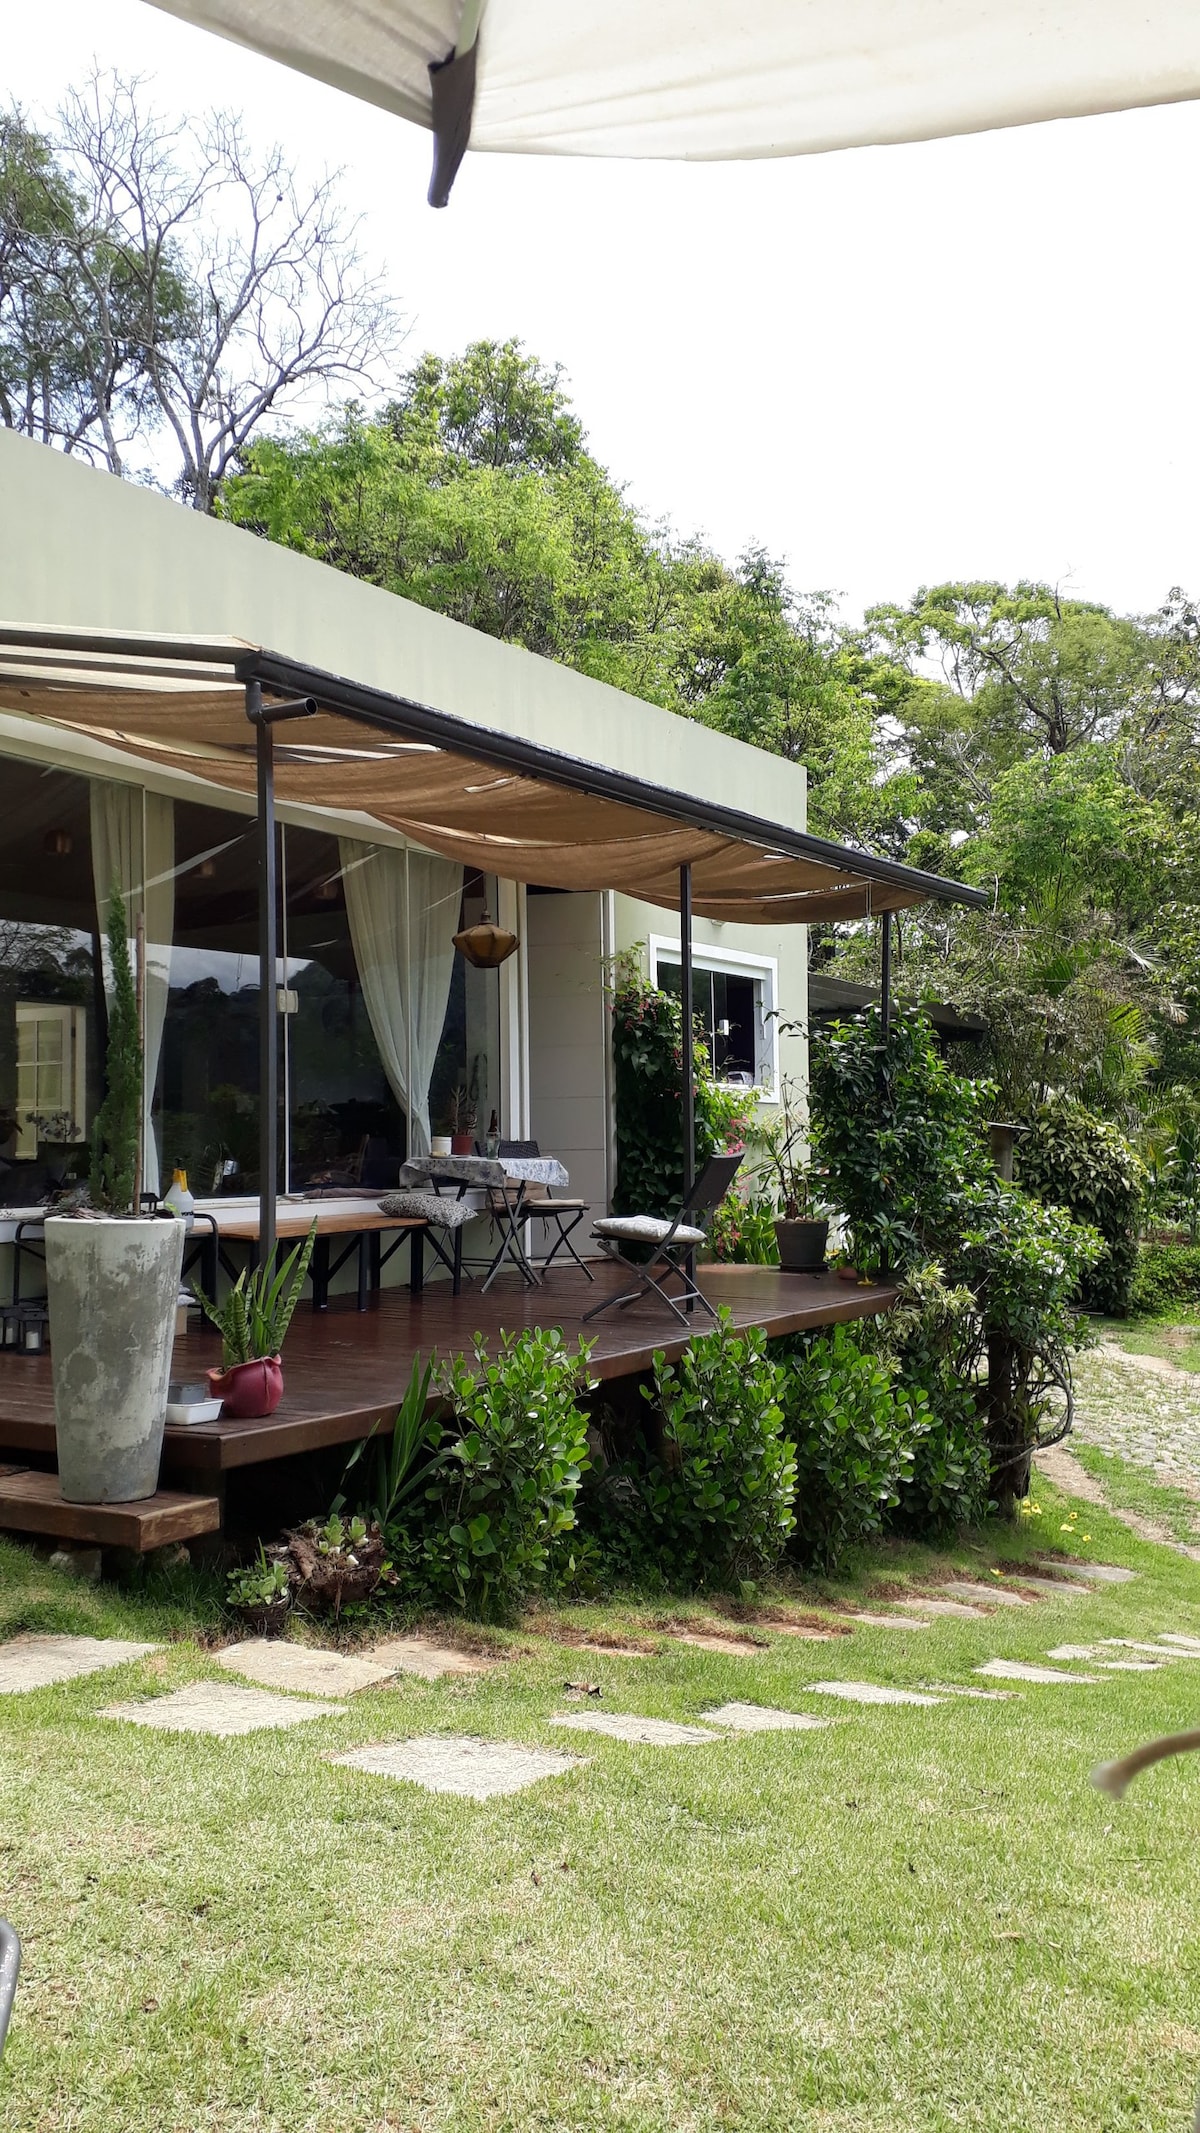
133 842
403 912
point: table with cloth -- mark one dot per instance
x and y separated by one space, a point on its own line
421 1190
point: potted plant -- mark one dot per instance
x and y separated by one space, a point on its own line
112 1277
801 1231
253 1323
464 1113
261 1593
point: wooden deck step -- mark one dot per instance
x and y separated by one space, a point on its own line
34 1503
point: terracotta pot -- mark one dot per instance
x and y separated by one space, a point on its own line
801 1245
248 1389
462 1144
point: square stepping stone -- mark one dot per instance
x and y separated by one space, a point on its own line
716 1640
1094 1573
1153 1651
1051 1588
943 1607
41 1662
892 1621
425 1657
867 1692
221 1708
959 1688
645 1732
1018 1670
277 1665
1182 1644
760 1718
805 1630
473 1769
1130 1666
1074 1651
996 1595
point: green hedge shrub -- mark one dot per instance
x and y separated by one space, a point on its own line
718 1506
1069 1158
497 1522
933 1335
857 1428
1165 1276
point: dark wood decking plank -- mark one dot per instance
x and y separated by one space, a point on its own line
345 1369
34 1503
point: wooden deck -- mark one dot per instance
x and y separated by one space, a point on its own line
346 1370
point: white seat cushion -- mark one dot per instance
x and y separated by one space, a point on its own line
444 1213
644 1229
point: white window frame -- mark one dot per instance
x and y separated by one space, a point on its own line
735 963
72 1021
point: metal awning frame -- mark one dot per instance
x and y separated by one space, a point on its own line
278 690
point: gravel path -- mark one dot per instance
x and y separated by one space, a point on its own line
1149 1416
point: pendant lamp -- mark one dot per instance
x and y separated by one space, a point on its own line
485 944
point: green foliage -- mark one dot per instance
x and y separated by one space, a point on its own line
497 1518
394 1467
1069 1158
901 1140
856 1428
934 1336
1165 1276
742 1232
896 1132
647 1040
718 1505
116 1132
255 1316
263 1583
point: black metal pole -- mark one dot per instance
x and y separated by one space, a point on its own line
268 979
689 1062
885 976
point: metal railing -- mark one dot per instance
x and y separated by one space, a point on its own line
10 1964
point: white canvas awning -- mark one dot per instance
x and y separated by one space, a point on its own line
709 79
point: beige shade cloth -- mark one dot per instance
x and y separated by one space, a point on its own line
701 79
519 827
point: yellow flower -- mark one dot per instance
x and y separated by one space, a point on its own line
1066 1529
1085 1536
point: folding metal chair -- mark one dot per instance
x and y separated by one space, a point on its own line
674 1242
537 1203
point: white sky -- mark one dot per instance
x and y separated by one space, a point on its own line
892 366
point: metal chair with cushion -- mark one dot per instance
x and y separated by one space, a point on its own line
442 1212
538 1204
674 1240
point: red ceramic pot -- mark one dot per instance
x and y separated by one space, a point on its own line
462 1144
248 1389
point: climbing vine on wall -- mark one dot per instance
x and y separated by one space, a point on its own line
648 1095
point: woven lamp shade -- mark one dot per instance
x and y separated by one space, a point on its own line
485 944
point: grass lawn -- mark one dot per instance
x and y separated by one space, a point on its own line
918 1919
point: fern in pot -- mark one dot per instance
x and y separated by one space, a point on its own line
112 1276
801 1226
253 1321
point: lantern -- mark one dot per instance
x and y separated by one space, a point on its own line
485 944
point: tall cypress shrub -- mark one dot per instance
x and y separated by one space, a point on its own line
118 1121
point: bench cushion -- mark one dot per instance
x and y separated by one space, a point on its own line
430 1206
644 1229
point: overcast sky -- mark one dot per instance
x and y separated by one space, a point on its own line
892 366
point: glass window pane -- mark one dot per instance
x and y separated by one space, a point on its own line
48 959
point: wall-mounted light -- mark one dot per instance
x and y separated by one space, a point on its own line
485 944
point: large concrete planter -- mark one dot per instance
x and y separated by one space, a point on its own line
113 1288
